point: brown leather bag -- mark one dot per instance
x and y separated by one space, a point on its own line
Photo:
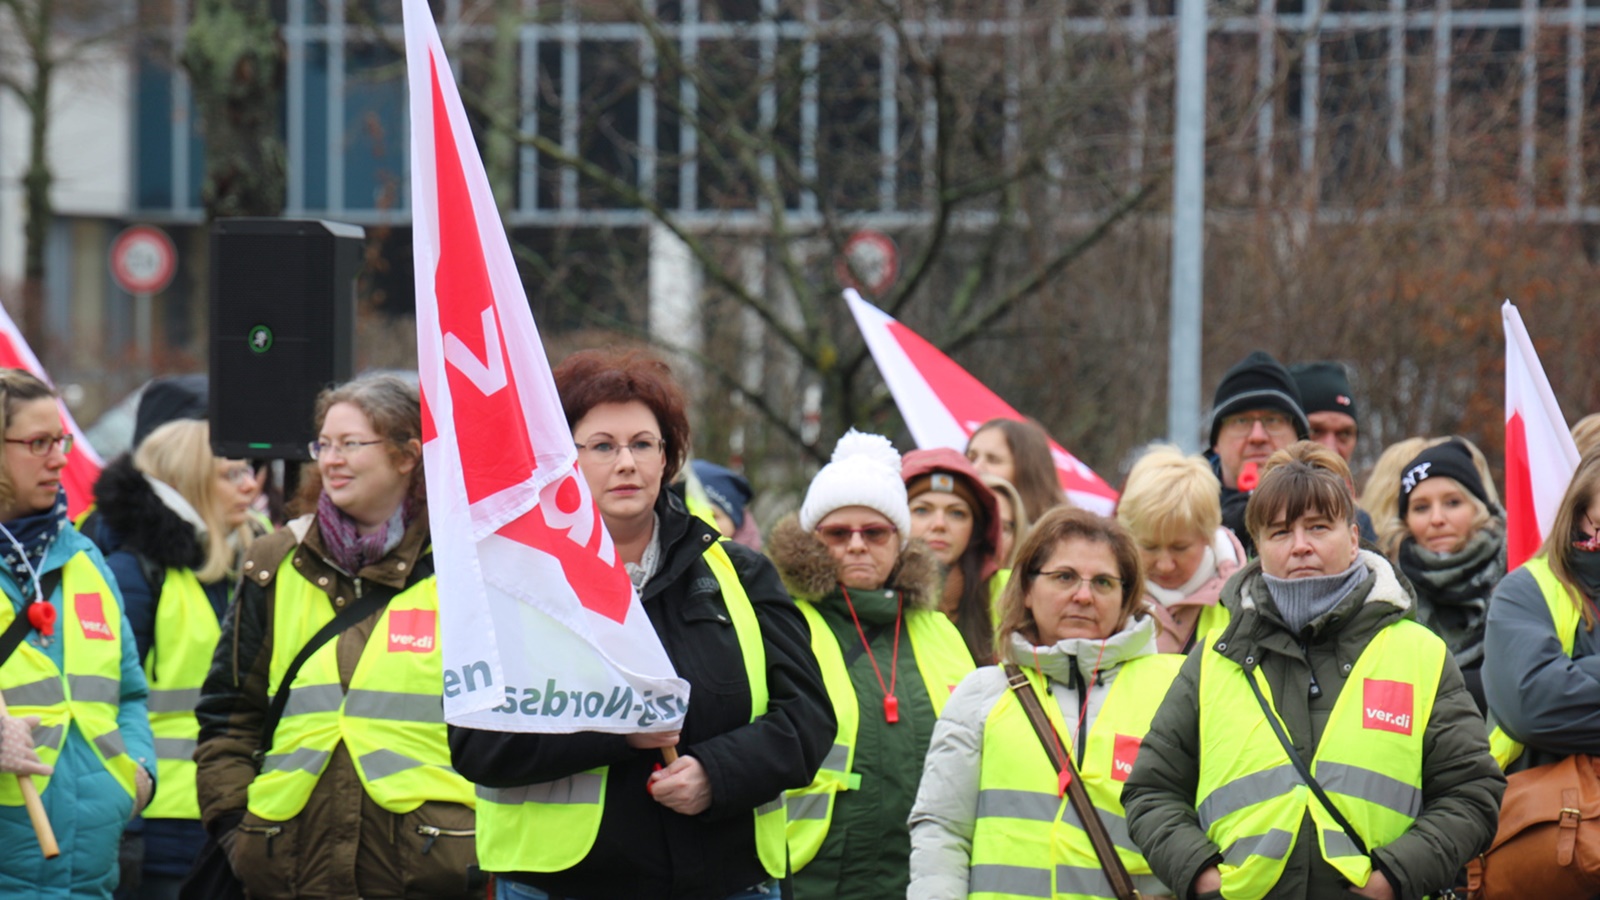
1548 843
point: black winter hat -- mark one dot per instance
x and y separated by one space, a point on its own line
1258 382
170 398
1324 387
1450 459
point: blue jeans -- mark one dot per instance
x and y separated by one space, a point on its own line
510 890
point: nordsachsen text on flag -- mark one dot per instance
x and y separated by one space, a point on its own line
541 629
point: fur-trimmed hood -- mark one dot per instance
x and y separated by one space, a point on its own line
809 572
145 525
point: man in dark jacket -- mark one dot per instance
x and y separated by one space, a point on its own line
1254 413
1221 806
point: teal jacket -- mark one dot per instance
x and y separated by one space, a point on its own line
86 806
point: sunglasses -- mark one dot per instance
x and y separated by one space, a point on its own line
840 535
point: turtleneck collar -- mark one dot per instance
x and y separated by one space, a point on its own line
1302 601
1056 661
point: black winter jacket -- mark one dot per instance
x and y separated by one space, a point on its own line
643 848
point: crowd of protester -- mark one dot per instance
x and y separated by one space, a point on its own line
936 678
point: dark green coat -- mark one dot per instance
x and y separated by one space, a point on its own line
1461 784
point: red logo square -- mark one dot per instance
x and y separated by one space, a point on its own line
91 611
1124 755
1386 705
412 630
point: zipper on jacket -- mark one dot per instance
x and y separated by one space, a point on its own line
434 832
1075 682
268 831
358 589
1315 689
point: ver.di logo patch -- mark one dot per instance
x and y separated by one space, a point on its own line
1124 753
1387 705
412 630
91 612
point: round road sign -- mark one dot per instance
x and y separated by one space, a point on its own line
873 255
143 260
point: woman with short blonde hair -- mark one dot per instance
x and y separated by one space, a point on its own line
1171 505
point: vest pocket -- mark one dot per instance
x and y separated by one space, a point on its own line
437 848
265 857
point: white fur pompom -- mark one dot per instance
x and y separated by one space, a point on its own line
875 447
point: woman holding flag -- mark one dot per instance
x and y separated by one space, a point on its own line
76 723
333 779
710 822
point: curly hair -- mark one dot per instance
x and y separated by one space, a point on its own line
589 378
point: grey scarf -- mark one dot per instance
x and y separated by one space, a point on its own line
1302 601
1453 589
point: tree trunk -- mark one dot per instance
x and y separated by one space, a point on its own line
235 60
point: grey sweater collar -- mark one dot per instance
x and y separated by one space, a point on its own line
1302 601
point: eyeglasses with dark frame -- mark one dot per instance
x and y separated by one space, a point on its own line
1068 580
605 450
1271 422
41 446
840 535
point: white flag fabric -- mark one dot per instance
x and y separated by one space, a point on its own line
541 629
943 404
1540 453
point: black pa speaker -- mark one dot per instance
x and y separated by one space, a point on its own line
282 329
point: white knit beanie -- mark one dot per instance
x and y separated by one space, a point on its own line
865 471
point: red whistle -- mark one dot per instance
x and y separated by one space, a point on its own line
1063 780
1249 476
891 709
42 616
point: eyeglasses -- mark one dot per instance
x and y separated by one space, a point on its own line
41 446
1067 580
605 451
1244 423
237 474
840 535
346 448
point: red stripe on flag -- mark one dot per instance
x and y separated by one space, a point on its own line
602 587
1522 522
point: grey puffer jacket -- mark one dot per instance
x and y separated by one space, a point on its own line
946 811
1461 784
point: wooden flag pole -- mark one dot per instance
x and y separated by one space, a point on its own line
30 799
669 755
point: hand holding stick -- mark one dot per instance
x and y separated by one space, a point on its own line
35 806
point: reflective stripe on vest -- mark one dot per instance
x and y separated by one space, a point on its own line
89 623
391 720
1027 840
1251 802
186 636
943 660
1566 618
550 827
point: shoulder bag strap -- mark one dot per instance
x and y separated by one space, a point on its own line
12 637
1116 873
377 597
1304 770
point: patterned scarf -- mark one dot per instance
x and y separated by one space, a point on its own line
33 534
347 547
1453 588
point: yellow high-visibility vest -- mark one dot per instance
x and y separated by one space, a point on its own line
391 720
1251 801
88 692
186 636
1027 840
1566 616
942 659
551 826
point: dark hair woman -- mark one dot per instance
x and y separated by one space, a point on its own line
1019 452
990 812
956 515
710 824
90 754
354 794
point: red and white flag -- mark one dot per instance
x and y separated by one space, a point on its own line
943 404
83 463
541 628
1540 453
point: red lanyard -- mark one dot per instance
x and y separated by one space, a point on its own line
891 704
1064 777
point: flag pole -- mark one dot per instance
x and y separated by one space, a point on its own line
36 813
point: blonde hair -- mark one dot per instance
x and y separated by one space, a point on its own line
1019 514
179 454
1057 525
1393 530
1381 497
1586 434
1169 495
1557 549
